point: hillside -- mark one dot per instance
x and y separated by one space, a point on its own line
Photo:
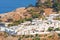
51 36
25 14
21 13
42 6
18 18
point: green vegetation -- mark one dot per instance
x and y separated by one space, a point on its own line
36 35
41 11
48 3
58 34
56 5
57 29
35 15
50 29
38 14
5 34
19 39
31 36
17 22
28 19
36 38
31 11
50 36
38 4
10 25
27 36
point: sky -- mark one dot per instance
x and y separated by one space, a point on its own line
10 5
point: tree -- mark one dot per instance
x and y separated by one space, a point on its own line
36 38
50 29
38 4
18 22
19 39
10 25
48 3
28 19
57 29
6 34
27 36
58 34
56 5
36 35
35 15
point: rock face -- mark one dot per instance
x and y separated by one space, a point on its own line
21 13
15 15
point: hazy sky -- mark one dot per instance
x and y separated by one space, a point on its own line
9 5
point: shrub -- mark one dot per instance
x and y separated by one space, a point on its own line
48 3
6 34
56 6
58 34
50 36
18 22
35 15
19 39
27 36
37 38
28 19
38 4
10 25
31 36
36 35
57 29
50 29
